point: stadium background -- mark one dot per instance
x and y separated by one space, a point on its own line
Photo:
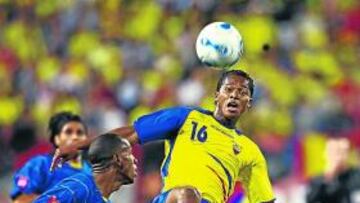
114 60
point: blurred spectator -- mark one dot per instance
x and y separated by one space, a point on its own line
340 182
25 143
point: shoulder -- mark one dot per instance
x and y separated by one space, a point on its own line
186 110
249 147
80 177
180 110
39 160
72 189
80 184
245 140
201 110
198 110
171 112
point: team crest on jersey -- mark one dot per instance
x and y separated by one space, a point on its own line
53 199
236 148
22 181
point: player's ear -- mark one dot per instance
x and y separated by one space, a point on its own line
216 97
57 140
118 161
249 103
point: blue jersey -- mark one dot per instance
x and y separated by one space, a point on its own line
35 178
80 187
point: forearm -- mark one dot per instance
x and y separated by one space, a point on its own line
127 132
84 144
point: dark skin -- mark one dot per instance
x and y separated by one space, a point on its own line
232 100
121 172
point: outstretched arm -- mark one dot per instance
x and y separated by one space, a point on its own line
128 133
66 153
162 124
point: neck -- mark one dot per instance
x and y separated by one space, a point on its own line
78 158
106 183
230 123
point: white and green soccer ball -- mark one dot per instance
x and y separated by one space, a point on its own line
219 45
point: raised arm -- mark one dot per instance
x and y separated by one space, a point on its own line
128 133
66 153
159 125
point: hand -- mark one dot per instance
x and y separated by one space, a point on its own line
63 154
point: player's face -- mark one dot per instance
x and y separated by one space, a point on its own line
71 132
128 163
233 98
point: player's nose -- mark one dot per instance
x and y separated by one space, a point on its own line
74 137
235 94
135 161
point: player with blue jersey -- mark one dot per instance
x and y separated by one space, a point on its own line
113 166
206 154
34 177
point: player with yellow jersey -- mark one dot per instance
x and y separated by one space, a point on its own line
206 154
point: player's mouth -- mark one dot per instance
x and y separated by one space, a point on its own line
233 107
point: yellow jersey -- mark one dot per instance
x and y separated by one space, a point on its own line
204 154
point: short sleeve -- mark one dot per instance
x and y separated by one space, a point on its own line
161 124
255 177
30 177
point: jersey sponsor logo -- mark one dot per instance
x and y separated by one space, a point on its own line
221 131
22 181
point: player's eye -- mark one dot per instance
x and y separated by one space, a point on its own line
244 92
228 89
80 132
68 131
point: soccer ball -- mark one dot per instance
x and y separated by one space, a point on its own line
219 44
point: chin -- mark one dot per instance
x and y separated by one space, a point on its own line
232 116
128 182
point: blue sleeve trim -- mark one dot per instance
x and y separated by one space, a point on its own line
164 169
162 124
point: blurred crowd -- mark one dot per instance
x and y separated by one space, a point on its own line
112 61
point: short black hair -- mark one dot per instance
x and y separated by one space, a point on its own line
58 121
103 148
239 73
